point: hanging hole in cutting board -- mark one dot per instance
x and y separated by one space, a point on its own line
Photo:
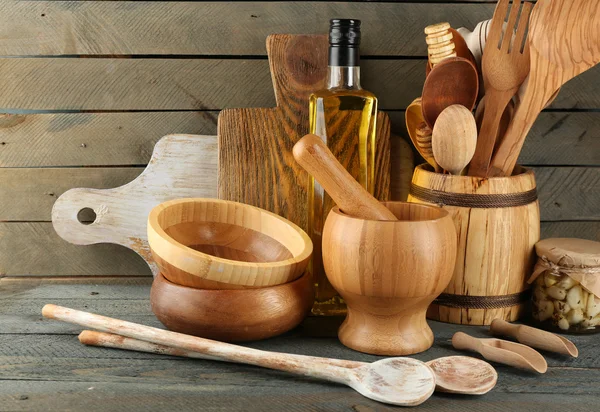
86 216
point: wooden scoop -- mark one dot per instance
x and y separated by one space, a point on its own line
502 351
454 138
312 154
536 338
416 126
453 374
452 81
397 381
564 40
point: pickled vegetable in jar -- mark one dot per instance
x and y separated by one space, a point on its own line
566 285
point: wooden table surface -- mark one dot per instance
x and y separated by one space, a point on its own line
44 367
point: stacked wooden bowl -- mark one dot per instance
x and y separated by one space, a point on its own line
229 271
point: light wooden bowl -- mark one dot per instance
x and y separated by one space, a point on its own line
388 273
216 244
232 315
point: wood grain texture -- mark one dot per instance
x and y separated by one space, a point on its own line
211 28
93 139
388 273
181 166
248 315
495 245
200 84
566 193
256 165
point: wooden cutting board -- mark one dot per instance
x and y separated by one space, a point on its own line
180 166
256 165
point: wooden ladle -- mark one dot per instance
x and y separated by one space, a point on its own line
454 80
454 138
502 351
536 338
312 154
564 40
397 381
453 374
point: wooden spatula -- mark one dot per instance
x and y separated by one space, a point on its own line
564 40
505 67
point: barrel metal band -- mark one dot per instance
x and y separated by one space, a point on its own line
481 302
484 201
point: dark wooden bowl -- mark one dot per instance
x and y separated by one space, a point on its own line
232 315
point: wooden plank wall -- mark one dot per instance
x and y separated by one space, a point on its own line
88 87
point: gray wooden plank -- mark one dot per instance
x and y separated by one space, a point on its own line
582 230
27 194
34 249
109 139
36 395
93 139
213 28
205 84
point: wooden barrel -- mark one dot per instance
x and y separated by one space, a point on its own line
497 222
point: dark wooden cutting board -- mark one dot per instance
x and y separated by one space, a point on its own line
256 165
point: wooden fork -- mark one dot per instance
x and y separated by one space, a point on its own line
505 67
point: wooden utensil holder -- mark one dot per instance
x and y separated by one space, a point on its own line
497 222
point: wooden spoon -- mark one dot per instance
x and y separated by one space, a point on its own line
454 138
312 154
461 50
415 125
505 67
564 40
397 381
536 338
502 351
452 81
453 374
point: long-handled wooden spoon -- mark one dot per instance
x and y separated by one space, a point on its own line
312 154
564 40
502 351
505 67
453 374
536 338
454 138
397 381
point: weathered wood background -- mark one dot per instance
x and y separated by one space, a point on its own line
88 87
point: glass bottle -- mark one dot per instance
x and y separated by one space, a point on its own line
344 116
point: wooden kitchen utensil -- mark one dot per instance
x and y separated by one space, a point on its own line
461 49
248 314
217 244
453 81
417 130
440 44
504 120
454 138
564 39
453 374
354 200
536 338
505 67
400 381
388 273
502 351
256 166
180 166
475 40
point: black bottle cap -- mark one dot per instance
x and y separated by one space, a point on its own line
344 41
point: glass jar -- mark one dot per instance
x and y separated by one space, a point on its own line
567 286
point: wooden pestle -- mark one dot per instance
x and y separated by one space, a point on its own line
312 154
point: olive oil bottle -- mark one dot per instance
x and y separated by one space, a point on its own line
344 116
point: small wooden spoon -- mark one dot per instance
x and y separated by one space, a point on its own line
397 381
454 138
424 145
461 50
452 81
502 351
312 154
453 374
536 338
